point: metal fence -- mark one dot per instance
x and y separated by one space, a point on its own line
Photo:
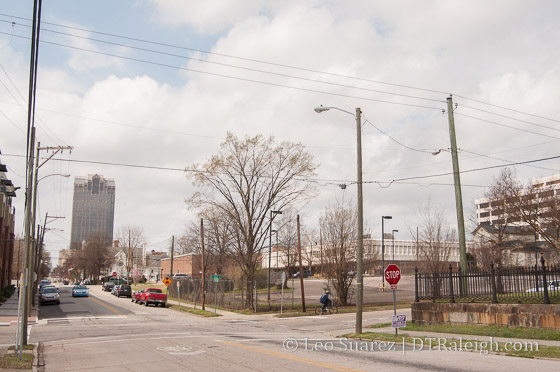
497 285
230 294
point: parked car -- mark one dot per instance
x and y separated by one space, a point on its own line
153 296
306 274
108 286
49 294
124 290
65 282
136 295
552 286
80 291
43 283
181 276
115 289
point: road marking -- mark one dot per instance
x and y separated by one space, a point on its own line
107 306
291 357
179 350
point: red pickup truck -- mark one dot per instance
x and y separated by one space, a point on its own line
153 296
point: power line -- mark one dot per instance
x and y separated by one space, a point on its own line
508 126
507 108
477 169
233 77
510 117
233 57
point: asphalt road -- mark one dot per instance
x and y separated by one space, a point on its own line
105 333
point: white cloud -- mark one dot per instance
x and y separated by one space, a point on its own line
508 60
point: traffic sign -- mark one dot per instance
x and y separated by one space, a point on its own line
399 321
393 286
114 274
167 280
216 278
392 274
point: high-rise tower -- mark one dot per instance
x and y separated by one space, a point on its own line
93 210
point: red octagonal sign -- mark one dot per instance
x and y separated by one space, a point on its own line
392 274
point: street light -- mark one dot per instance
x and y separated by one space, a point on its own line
360 251
383 218
272 213
393 237
54 174
276 232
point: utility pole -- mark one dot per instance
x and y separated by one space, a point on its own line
321 242
172 250
29 176
129 263
360 252
202 261
300 268
457 182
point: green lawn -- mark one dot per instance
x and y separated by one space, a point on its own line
204 313
533 350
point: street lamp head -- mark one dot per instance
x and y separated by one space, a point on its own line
321 108
394 231
387 217
276 212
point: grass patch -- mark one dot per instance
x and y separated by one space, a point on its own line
343 309
380 325
11 361
483 347
490 331
25 347
204 313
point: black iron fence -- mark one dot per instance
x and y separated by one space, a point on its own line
497 285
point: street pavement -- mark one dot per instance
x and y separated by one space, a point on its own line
139 338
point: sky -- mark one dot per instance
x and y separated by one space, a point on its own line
142 89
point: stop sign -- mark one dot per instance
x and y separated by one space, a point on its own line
392 274
114 274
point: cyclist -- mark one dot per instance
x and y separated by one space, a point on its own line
325 300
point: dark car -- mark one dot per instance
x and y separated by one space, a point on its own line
124 290
108 286
306 274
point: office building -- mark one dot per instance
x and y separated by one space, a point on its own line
93 209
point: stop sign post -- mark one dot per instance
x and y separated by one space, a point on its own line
392 276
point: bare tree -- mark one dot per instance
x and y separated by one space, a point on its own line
288 239
535 205
131 242
217 239
92 260
244 182
339 226
311 244
435 238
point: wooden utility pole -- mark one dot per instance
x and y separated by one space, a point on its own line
172 250
300 268
202 261
457 183
321 242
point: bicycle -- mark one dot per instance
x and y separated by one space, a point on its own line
332 309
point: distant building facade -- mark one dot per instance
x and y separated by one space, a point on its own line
93 209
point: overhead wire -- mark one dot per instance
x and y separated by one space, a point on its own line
238 78
233 57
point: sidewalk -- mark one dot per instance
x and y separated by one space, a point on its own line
9 312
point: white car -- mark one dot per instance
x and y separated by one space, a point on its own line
49 294
552 286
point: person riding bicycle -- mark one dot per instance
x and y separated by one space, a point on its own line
325 300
